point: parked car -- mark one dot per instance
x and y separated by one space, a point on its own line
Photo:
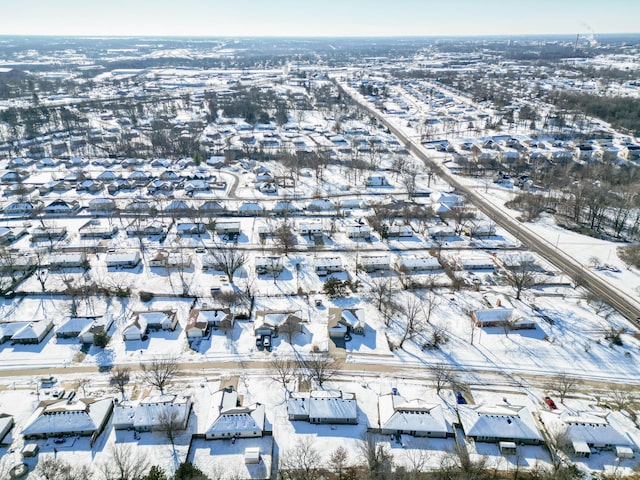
266 341
550 403
460 399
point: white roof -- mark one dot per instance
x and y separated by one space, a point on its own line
62 417
498 421
323 405
592 428
226 417
400 414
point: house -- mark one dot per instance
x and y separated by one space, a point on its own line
48 233
59 261
8 329
149 228
179 207
323 407
136 329
227 419
58 418
61 208
284 207
211 206
377 181
587 429
346 321
418 264
19 209
274 322
499 423
151 413
477 229
99 324
164 259
102 206
399 416
358 231
250 208
11 234
371 263
156 319
221 318
190 228
477 263
33 332
71 327
95 229
501 316
441 232
228 228
396 231
269 264
123 259
326 265
310 229
321 205
351 203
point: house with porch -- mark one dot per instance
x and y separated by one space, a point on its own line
227 418
416 417
323 407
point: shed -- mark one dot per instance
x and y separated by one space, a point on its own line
252 455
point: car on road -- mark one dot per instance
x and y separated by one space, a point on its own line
550 403
460 399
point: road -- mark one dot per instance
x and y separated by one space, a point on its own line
623 303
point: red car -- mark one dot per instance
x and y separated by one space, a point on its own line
549 401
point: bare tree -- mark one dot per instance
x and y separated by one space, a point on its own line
52 468
522 275
338 461
302 462
562 385
160 371
169 424
284 237
124 464
413 319
41 271
376 456
229 260
442 376
82 383
283 370
624 398
119 378
321 367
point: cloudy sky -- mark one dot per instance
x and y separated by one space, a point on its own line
317 17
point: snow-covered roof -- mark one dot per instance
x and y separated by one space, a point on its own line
592 428
32 330
509 422
61 417
400 414
323 406
150 411
225 417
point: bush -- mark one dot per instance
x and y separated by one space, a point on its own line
146 296
335 288
101 339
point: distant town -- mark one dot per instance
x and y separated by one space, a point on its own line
393 258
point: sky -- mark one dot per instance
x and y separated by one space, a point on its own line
317 17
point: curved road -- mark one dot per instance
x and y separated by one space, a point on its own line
622 302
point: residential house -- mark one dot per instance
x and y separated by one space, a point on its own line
171 260
59 261
191 228
61 208
221 318
33 332
323 407
228 419
499 423
156 319
587 429
151 413
6 424
102 206
19 209
418 264
48 233
11 234
95 229
501 316
148 228
274 322
122 259
326 265
372 263
310 228
396 231
416 417
377 181
346 321
228 228
136 329
250 209
358 231
58 418
269 265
